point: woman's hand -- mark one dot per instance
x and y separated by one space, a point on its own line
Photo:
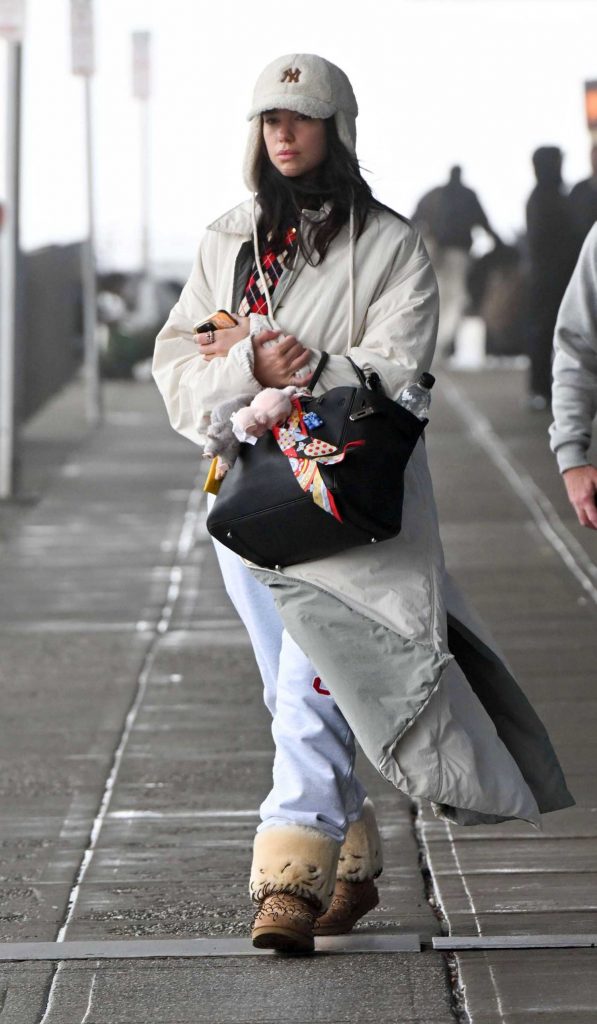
219 343
275 366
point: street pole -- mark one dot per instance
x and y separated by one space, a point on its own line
145 187
142 91
9 235
83 64
94 403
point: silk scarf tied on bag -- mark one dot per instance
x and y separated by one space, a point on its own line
304 452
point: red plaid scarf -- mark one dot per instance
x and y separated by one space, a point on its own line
273 263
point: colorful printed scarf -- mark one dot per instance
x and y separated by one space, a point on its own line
305 453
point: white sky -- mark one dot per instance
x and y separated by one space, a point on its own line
476 82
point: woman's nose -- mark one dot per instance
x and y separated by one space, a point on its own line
285 132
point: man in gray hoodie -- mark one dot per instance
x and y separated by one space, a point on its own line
574 397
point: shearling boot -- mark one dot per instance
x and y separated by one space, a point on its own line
292 881
360 862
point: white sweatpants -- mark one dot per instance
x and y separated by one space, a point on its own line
451 267
314 782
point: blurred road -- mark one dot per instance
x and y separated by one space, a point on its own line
135 748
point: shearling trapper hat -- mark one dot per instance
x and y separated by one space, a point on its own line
309 85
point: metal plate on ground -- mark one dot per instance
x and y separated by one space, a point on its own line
515 942
135 949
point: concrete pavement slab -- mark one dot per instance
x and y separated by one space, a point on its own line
507 895
23 992
547 1017
563 854
550 985
382 989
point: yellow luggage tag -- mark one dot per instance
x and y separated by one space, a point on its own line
211 485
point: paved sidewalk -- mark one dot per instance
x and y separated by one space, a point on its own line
135 748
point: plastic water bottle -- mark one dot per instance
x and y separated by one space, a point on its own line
416 397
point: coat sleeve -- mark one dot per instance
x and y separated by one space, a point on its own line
190 385
574 400
399 333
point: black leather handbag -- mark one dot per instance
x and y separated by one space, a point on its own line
263 513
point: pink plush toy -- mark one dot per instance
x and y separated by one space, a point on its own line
269 408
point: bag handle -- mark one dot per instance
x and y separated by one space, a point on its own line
357 369
370 381
318 370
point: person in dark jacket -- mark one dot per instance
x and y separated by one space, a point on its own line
552 251
446 217
583 202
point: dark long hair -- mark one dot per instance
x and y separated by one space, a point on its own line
337 181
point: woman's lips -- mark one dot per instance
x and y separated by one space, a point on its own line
287 154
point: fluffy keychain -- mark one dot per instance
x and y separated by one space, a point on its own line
234 421
221 445
268 409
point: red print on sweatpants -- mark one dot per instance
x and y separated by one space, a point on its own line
320 688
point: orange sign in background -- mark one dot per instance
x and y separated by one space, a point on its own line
591 103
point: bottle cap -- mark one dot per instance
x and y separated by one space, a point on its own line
427 380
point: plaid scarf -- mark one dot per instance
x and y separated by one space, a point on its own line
272 263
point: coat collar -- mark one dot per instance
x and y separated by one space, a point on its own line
237 221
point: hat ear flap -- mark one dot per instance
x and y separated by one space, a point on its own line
347 130
252 154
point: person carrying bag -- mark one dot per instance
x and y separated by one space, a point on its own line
373 643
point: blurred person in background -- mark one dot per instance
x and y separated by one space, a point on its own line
552 251
446 217
583 202
131 309
574 400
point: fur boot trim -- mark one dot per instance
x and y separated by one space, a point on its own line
361 855
297 860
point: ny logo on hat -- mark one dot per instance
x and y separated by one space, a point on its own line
291 75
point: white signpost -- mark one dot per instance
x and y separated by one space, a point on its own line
83 64
142 92
12 20
82 37
12 28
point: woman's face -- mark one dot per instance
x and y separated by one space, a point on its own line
295 143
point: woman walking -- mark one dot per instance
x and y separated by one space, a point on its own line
376 642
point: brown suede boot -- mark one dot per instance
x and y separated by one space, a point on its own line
292 881
285 923
350 902
360 862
